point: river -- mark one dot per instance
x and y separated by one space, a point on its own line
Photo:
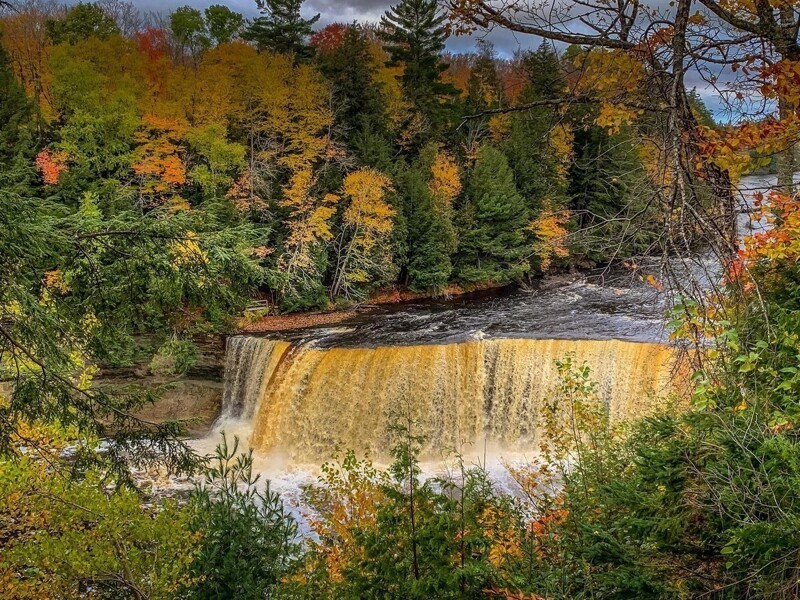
472 372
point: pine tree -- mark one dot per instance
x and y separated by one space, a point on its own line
281 28
535 166
492 244
431 235
484 88
361 106
414 36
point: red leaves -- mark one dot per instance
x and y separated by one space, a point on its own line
154 42
329 38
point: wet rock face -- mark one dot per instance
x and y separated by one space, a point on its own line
194 402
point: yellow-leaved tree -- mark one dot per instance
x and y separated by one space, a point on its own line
363 251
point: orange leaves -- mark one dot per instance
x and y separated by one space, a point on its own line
732 148
781 80
55 280
51 165
154 42
157 160
243 196
770 249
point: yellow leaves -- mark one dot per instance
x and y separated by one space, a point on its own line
187 251
551 233
445 183
506 543
362 250
654 160
178 204
345 501
610 73
732 148
614 116
55 280
499 127
561 140
366 189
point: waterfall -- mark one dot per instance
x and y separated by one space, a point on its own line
249 362
304 401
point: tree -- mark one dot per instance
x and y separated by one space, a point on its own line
223 24
528 146
219 160
62 537
189 29
492 244
281 28
429 188
81 22
363 251
484 89
414 35
350 67
16 114
247 541
95 88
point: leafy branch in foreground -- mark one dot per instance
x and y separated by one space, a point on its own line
75 290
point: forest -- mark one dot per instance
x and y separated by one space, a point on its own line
167 176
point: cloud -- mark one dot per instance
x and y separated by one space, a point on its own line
347 11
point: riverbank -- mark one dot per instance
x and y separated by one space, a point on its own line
286 322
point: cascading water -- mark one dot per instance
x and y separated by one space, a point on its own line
248 363
304 401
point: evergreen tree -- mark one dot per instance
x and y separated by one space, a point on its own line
431 235
527 146
361 106
82 21
281 28
544 73
492 245
484 88
414 36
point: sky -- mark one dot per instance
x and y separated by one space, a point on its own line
347 11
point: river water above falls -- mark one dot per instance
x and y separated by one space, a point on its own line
472 372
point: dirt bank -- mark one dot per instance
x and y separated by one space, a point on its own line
384 297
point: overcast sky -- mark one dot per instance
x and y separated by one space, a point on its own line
347 11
